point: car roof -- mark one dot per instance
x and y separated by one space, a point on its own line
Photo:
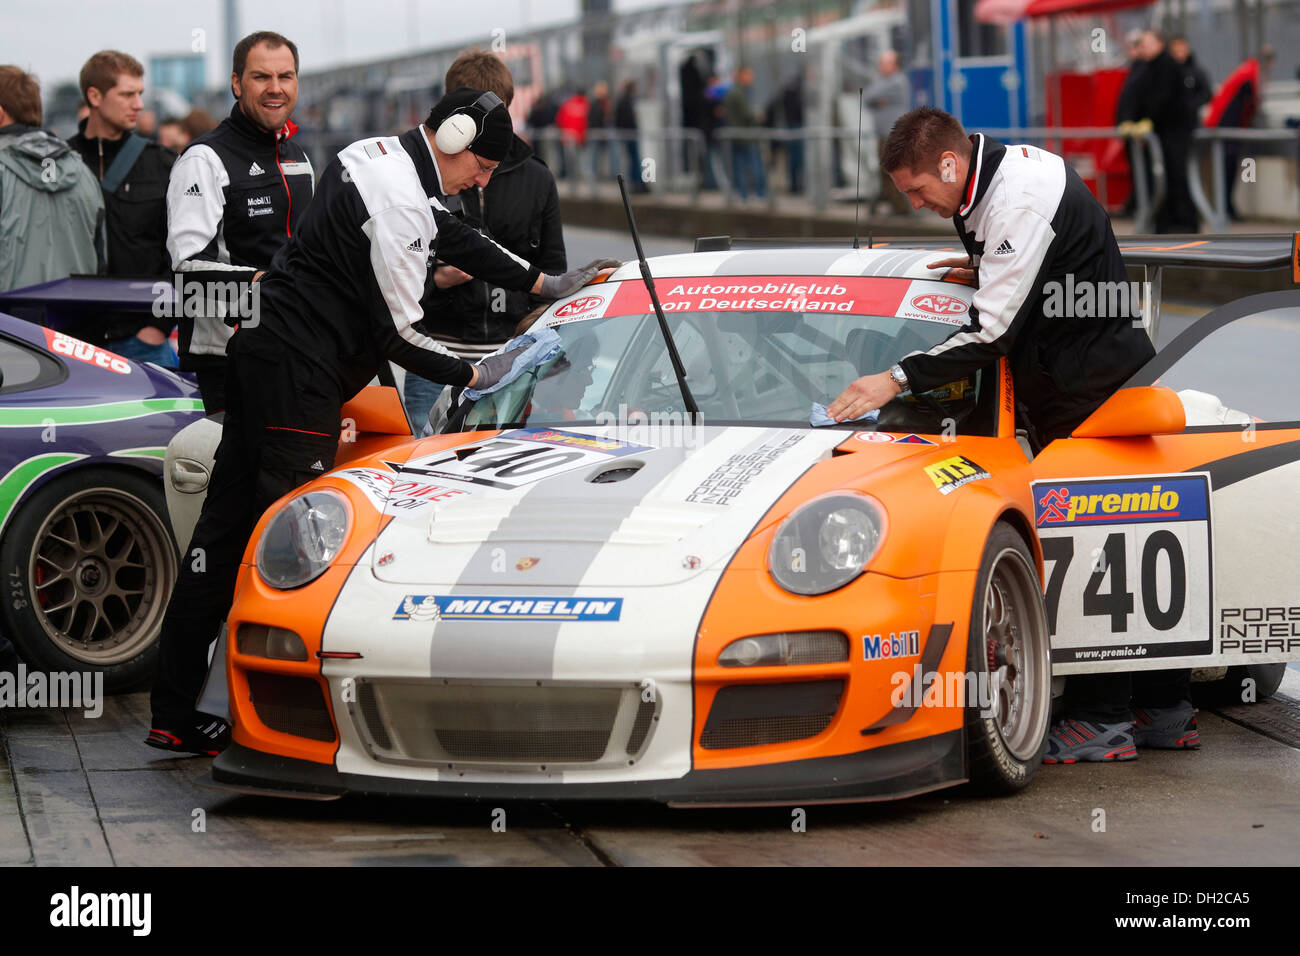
882 261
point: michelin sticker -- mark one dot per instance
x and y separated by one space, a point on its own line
520 457
1128 566
446 607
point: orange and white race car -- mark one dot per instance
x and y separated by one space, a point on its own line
576 591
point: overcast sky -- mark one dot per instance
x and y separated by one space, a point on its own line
52 38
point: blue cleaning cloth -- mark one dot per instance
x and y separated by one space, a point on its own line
543 345
819 418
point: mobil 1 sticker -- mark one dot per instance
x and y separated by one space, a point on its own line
521 457
1128 566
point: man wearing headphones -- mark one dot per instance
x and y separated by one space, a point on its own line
341 299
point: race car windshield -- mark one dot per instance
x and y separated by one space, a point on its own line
761 368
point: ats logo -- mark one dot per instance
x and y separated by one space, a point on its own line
579 306
951 473
937 303
1175 498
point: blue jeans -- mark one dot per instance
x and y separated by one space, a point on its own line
746 166
419 394
137 351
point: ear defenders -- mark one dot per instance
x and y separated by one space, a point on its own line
458 131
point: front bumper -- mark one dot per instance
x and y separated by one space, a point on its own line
883 773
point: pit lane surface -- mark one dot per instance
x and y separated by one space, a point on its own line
87 792
78 791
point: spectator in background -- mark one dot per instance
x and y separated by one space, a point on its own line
746 160
172 134
50 205
132 172
625 122
197 122
571 118
1163 100
888 98
792 115
600 116
1127 108
519 208
542 116
1196 83
1234 106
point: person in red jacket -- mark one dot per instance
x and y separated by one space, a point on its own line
1234 105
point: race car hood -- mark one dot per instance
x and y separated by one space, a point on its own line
599 507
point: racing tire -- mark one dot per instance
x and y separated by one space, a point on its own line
1009 654
88 565
1228 688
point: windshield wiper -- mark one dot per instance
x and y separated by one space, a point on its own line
678 368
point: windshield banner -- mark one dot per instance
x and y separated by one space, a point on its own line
930 300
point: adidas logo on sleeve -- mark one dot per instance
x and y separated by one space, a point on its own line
417 246
1004 249
194 191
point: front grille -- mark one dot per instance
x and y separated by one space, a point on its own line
449 723
291 705
749 715
818 647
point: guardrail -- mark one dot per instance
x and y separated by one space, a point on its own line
1216 212
685 161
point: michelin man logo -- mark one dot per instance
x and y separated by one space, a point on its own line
426 609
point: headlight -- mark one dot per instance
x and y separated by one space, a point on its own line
826 543
303 538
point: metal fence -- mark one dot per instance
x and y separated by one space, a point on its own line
1219 143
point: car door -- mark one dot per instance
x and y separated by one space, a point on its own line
1179 550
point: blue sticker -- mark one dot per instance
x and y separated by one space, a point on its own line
1125 501
497 608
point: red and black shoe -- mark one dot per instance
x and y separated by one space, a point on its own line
207 738
1073 741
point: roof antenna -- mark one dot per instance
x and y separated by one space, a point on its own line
857 186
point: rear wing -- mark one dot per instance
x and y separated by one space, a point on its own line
1191 252
1152 253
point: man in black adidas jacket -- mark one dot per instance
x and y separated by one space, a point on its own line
236 196
1026 220
519 208
341 299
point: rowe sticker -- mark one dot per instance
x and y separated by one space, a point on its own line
468 607
397 494
66 345
520 457
1129 566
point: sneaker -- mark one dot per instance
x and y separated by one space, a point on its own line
1167 728
1073 740
208 738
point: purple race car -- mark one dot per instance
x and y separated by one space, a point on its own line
87 559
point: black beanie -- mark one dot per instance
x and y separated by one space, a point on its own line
497 131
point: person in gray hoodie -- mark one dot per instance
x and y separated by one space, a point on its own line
51 210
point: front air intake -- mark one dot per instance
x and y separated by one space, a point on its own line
291 705
750 715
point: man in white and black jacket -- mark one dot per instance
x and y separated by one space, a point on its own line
234 199
1027 220
339 301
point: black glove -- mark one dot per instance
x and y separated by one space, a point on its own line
557 287
494 368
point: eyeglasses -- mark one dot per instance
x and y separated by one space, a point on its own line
484 169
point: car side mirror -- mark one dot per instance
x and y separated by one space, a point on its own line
1131 412
377 409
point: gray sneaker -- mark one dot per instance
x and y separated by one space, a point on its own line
1071 741
1167 728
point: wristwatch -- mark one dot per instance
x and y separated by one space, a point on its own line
899 377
